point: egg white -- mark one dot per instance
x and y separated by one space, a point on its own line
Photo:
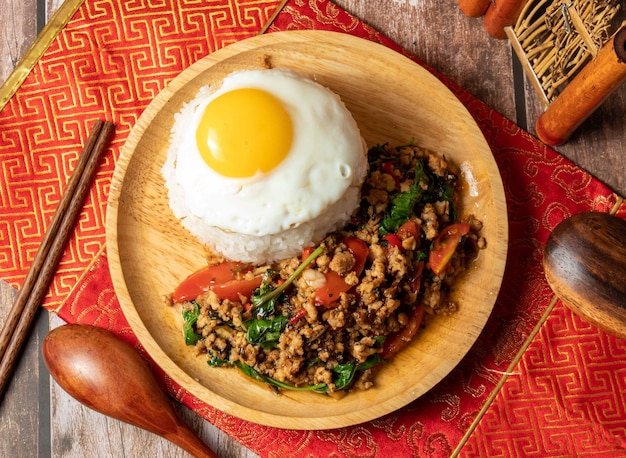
327 161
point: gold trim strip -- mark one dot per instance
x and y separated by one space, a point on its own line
618 204
54 26
273 17
63 303
57 22
508 372
516 360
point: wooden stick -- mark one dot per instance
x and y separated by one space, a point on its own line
585 92
526 64
29 298
473 8
500 14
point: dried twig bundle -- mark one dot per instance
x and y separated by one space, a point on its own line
559 36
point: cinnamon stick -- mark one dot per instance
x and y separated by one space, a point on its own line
501 14
473 8
585 92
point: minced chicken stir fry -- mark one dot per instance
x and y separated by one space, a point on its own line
328 320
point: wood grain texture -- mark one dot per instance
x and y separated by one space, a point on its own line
108 375
439 34
44 266
448 41
19 31
37 417
19 410
77 432
585 92
384 91
460 48
585 264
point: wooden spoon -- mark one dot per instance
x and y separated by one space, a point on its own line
585 265
108 375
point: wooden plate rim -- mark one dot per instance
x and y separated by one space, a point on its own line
117 272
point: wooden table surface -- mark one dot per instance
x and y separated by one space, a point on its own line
39 419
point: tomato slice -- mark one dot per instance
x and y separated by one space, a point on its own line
220 276
445 244
333 287
306 252
232 289
359 249
408 229
398 340
329 293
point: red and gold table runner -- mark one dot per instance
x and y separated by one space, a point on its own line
532 385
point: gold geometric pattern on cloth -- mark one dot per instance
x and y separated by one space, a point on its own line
588 414
109 62
542 188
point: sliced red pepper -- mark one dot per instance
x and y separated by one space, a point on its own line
393 240
408 229
387 167
297 316
416 279
220 276
398 340
445 244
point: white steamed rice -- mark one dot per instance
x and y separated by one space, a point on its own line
244 247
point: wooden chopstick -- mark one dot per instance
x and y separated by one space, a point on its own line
17 324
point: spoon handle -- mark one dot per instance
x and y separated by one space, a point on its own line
186 439
107 375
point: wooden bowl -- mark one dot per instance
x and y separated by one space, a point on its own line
393 100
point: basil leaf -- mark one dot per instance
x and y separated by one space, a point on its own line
371 361
421 255
343 375
262 307
256 375
379 341
214 361
402 205
378 153
267 295
265 332
190 317
440 189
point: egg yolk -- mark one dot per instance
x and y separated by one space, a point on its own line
243 132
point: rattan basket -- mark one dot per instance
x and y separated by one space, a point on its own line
555 39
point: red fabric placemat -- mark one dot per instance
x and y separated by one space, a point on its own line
562 398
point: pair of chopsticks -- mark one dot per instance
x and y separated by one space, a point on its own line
18 322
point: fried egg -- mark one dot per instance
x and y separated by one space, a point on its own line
266 152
